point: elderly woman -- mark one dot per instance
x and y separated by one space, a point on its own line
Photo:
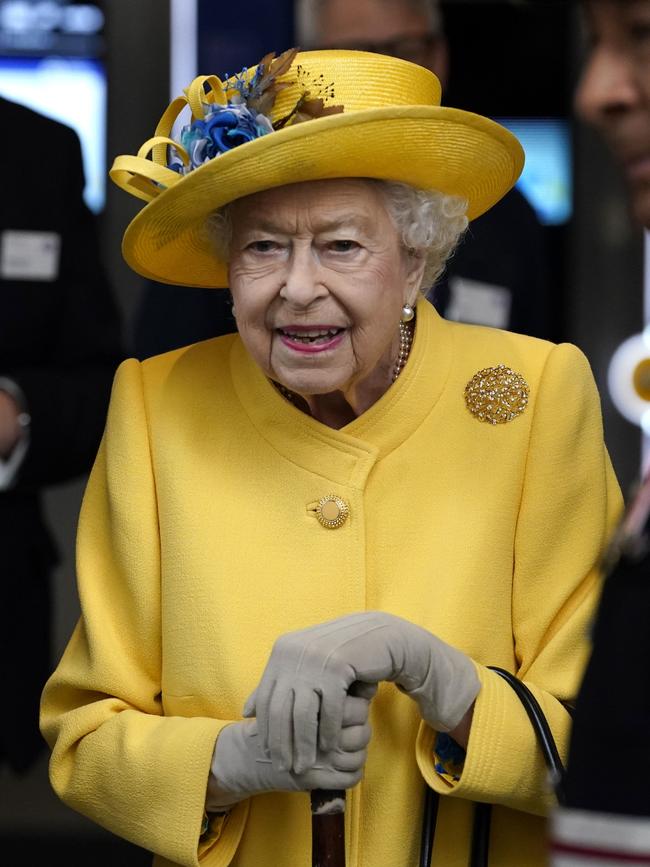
301 546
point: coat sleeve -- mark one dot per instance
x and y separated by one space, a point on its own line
569 505
115 757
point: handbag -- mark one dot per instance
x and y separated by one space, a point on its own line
480 842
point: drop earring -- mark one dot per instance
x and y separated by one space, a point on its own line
407 313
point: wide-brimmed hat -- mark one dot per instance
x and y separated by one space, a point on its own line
300 117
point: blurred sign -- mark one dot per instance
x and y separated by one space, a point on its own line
547 178
46 27
71 90
51 59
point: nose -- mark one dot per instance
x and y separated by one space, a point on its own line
608 85
303 282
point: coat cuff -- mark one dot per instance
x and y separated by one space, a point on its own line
503 763
218 846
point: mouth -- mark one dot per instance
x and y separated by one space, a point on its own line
632 148
316 338
638 168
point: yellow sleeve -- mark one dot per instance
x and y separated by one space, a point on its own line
569 505
115 757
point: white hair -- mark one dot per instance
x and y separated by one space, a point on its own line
429 224
307 12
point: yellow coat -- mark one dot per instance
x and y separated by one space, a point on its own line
199 545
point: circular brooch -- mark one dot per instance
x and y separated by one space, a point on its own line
496 394
332 511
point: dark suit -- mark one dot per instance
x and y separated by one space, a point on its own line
502 254
503 251
60 342
609 758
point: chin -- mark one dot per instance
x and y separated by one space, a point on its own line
641 207
638 190
308 385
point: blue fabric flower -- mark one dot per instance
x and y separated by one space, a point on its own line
222 129
237 110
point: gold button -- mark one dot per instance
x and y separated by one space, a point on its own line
332 512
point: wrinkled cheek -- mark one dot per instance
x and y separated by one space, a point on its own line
257 340
270 359
374 344
248 275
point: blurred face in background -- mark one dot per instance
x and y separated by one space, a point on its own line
614 91
401 28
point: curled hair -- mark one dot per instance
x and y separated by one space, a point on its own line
429 224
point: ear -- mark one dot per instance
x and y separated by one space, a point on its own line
414 277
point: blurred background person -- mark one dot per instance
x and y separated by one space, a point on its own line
608 781
59 346
60 340
498 276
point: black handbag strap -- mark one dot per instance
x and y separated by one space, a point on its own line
429 818
542 731
480 842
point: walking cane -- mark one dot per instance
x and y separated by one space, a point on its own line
328 810
328 828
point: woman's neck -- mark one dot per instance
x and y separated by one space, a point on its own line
338 408
341 407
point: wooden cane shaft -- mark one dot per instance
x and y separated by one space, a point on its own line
328 828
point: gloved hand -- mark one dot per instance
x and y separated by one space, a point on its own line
240 767
300 699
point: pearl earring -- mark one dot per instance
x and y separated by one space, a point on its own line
407 313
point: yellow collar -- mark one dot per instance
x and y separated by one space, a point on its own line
347 455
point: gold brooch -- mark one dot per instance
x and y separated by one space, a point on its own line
496 394
332 512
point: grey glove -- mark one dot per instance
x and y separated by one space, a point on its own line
300 698
240 768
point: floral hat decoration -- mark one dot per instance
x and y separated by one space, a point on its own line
298 117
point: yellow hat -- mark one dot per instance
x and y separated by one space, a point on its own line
313 115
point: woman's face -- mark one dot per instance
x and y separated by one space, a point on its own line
318 277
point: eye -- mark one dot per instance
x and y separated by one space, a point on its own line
640 31
262 246
638 27
343 245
